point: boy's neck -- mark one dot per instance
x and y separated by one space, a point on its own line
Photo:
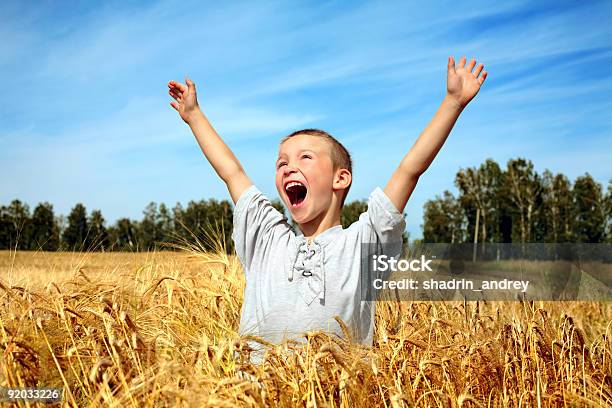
320 224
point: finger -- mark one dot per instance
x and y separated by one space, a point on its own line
174 105
470 66
190 84
478 70
451 65
176 96
177 85
175 91
482 77
462 62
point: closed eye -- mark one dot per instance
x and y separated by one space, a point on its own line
281 164
306 156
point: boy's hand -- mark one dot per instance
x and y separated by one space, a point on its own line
185 99
461 83
214 148
462 86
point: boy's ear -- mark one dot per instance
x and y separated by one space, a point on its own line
342 179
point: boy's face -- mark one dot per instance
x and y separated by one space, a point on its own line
304 176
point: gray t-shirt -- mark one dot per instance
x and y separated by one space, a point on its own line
293 286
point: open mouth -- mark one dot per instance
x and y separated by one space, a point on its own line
296 192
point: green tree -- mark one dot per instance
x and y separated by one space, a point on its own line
16 225
75 235
468 183
5 229
148 232
165 224
210 221
98 236
589 210
179 230
444 221
479 192
558 212
524 189
123 235
494 200
219 220
45 232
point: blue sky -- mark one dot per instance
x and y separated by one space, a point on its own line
86 116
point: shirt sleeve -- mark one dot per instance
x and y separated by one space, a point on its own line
384 219
254 220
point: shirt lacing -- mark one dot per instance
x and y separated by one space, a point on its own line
306 261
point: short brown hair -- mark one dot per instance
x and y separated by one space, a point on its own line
341 158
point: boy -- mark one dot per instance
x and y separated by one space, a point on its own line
299 281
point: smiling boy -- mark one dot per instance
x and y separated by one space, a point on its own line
300 280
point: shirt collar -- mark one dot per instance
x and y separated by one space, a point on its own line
323 238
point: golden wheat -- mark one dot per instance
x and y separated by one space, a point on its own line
160 329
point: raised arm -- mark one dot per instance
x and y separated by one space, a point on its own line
463 83
214 148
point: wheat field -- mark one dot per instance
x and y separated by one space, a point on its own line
160 329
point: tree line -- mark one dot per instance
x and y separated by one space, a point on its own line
208 222
515 204
519 205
